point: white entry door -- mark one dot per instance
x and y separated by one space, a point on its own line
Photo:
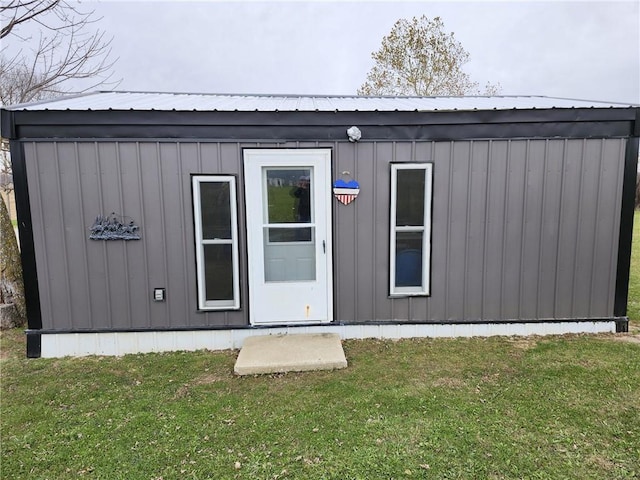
288 203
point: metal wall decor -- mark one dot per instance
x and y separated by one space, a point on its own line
346 191
113 227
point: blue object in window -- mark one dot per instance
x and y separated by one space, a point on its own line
409 268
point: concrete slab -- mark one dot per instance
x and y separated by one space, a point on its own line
290 353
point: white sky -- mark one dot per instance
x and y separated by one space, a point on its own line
587 50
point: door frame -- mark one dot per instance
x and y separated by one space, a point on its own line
274 157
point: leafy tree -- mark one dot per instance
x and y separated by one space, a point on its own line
419 58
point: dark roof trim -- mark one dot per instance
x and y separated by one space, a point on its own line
319 125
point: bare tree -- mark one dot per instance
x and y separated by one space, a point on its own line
419 58
70 54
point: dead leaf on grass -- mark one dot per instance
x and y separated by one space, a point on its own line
449 382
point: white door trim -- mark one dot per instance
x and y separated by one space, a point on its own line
303 302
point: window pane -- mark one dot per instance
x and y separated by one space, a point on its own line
289 196
218 272
410 197
216 210
409 259
302 234
286 262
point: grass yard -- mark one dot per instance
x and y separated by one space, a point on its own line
558 407
497 408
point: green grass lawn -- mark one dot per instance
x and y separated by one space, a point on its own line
633 304
498 408
557 407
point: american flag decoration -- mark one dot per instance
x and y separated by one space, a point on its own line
346 192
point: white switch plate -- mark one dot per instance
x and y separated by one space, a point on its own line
158 294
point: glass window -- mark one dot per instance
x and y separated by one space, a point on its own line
410 236
289 229
216 230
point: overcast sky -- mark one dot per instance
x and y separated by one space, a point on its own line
588 50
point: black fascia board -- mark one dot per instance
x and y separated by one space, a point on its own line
336 132
38 124
625 238
25 231
7 124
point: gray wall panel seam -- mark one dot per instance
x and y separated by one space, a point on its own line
105 258
448 220
125 248
523 227
579 226
543 199
65 254
374 242
145 258
468 233
486 230
559 231
46 292
165 263
594 248
183 225
505 217
85 240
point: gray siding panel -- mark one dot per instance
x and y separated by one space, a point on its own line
520 229
346 246
549 235
532 227
97 280
152 231
513 237
380 243
458 189
476 217
496 215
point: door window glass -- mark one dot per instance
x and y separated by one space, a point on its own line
289 234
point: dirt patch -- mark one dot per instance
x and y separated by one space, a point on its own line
449 382
204 379
627 338
208 378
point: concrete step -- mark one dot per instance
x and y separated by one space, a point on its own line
290 353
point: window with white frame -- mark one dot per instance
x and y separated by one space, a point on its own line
410 237
216 231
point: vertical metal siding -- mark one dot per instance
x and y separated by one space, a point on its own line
87 284
520 229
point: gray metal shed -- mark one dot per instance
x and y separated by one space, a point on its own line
160 221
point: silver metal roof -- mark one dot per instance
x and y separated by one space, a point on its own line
147 101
